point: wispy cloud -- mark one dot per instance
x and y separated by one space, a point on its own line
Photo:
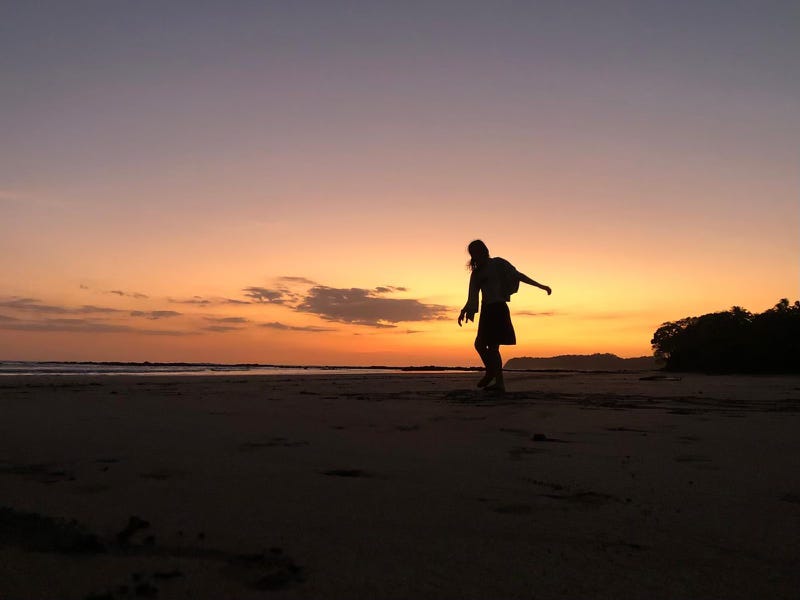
221 328
296 280
531 313
122 293
164 332
284 327
197 300
227 319
50 317
81 326
202 301
369 307
88 309
155 314
32 305
271 296
35 306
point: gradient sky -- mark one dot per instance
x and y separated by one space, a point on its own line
296 182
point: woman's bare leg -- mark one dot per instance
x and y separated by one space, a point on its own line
488 362
496 362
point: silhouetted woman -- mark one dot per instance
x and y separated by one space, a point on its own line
496 279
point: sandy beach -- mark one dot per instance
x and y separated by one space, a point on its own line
571 485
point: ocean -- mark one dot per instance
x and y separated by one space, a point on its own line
147 368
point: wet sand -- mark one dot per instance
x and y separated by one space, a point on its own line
399 486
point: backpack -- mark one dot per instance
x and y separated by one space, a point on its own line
509 277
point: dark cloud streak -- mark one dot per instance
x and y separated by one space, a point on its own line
197 300
155 314
135 295
221 328
200 301
35 306
531 313
270 296
284 327
82 326
228 319
301 280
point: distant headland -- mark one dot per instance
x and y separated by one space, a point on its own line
584 362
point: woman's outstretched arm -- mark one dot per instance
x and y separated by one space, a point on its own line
525 279
471 307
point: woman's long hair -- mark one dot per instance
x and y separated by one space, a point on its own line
478 252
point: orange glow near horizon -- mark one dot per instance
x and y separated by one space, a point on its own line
575 320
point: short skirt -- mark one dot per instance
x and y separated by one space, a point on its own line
495 327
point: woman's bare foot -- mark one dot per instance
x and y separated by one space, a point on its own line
499 384
486 380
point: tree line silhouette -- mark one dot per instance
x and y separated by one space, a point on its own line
734 341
